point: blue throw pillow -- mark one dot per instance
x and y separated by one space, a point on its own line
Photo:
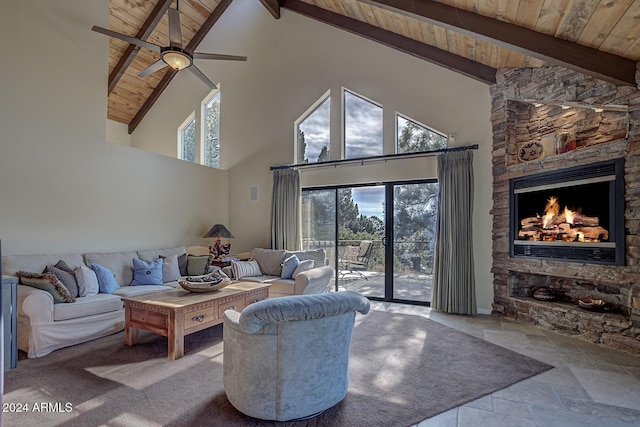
106 279
289 266
147 273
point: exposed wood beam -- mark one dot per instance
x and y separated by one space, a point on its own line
272 6
423 51
170 74
590 61
132 50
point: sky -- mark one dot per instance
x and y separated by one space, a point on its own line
370 200
363 128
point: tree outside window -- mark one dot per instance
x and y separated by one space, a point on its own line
414 137
188 140
313 132
212 131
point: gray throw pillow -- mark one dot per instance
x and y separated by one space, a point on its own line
182 264
170 269
198 265
66 278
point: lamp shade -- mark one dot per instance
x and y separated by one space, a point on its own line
218 230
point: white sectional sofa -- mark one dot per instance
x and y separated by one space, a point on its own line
44 326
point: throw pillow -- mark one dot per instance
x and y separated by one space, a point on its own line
198 265
170 269
106 279
182 264
289 266
66 278
245 269
147 272
87 281
62 265
305 265
47 282
269 260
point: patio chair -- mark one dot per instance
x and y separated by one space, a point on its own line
356 258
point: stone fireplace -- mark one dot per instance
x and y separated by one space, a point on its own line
574 214
549 158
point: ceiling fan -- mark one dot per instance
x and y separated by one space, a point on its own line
174 55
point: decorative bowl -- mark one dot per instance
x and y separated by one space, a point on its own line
204 286
591 304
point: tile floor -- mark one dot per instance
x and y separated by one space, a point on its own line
590 385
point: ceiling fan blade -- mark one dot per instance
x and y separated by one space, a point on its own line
128 39
195 70
152 68
175 30
197 55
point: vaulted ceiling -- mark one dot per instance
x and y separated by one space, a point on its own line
473 37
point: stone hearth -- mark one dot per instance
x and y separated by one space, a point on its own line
599 136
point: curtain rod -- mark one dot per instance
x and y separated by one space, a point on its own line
376 158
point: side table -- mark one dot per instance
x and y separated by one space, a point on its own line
10 321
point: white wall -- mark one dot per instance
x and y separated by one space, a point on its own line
118 133
292 62
63 188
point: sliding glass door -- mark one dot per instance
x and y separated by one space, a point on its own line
379 238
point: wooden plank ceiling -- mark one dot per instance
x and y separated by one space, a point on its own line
473 37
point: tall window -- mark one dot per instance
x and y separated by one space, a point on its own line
313 133
414 137
362 127
187 139
211 120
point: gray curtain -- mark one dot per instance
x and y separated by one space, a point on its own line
453 276
285 210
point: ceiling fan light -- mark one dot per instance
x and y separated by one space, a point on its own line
176 59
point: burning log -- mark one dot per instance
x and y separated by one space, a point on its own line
568 226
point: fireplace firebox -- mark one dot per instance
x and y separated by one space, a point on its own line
574 214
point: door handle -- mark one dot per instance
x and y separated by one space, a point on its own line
384 241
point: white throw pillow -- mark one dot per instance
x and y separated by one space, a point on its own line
305 265
245 269
87 281
170 269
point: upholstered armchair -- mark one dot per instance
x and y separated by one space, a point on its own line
288 358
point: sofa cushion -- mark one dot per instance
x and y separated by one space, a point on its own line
198 265
170 269
147 272
318 256
270 260
152 254
11 264
243 269
87 306
66 278
106 278
289 266
87 281
120 263
47 282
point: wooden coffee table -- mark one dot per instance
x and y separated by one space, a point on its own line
177 312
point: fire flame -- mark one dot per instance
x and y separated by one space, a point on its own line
569 215
550 211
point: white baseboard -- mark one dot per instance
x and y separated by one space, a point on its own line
484 310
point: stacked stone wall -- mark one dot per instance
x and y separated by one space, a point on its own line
599 136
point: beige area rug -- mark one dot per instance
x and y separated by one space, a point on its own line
403 369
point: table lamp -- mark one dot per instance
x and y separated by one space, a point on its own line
218 249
